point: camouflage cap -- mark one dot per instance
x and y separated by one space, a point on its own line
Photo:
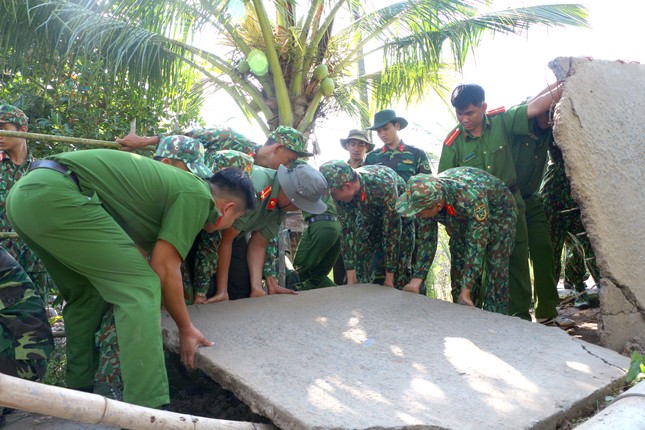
422 191
186 149
337 173
230 158
13 115
292 139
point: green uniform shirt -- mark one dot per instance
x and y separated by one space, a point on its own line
530 156
492 150
406 160
150 200
267 215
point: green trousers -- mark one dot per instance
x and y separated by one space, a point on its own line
317 252
519 278
545 283
94 263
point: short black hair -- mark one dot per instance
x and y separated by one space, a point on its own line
233 183
465 95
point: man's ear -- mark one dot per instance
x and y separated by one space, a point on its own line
227 206
166 161
23 128
485 106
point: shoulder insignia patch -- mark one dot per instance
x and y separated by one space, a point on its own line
452 136
265 192
273 203
481 213
496 111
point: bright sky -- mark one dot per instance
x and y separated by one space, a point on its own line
510 68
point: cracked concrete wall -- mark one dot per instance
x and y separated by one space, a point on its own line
600 127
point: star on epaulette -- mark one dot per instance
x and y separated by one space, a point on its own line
496 111
452 136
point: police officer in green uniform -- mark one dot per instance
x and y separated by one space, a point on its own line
530 157
483 140
479 213
88 214
366 199
283 146
240 262
15 158
26 340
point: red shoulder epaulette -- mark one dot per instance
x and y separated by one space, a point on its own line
496 111
265 192
452 136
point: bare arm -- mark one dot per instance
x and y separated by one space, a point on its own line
543 101
255 254
133 141
223 263
166 262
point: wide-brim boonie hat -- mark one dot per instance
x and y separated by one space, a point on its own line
388 115
361 135
421 191
304 186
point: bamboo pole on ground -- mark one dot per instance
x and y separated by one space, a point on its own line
65 139
94 409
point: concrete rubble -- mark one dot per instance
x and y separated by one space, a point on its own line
599 127
367 356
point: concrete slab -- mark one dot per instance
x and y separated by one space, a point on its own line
599 127
367 356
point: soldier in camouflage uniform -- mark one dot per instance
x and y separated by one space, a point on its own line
26 340
479 213
15 159
283 146
404 159
366 199
564 220
483 140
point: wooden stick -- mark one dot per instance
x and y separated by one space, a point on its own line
65 139
94 409
8 234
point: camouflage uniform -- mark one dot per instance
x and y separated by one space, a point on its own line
370 220
406 160
480 215
9 175
564 219
530 156
492 153
26 340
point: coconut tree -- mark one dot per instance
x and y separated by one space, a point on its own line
282 62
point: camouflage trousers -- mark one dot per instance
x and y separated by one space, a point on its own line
371 258
109 370
26 340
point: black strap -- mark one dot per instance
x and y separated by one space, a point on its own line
54 165
322 217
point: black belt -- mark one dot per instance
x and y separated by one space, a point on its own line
321 218
54 165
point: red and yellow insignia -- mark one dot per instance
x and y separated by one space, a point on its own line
451 210
363 196
481 213
452 136
265 193
273 203
496 111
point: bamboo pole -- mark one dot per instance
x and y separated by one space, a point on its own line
65 139
94 409
8 234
